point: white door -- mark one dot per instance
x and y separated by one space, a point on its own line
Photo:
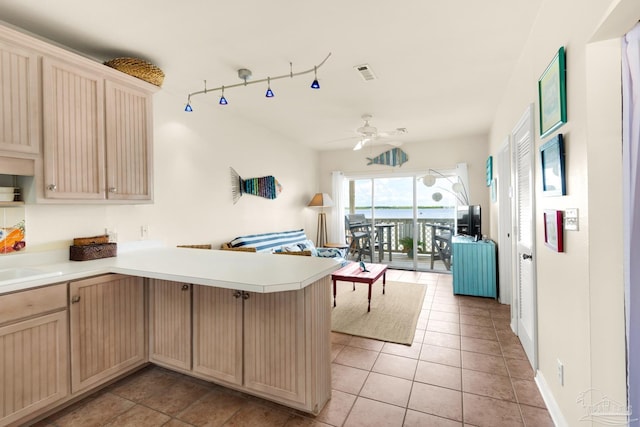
505 227
525 302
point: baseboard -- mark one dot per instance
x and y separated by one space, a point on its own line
552 405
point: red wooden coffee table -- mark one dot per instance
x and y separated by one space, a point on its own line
353 273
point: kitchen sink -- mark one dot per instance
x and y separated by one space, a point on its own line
20 274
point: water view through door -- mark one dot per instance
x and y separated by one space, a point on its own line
407 221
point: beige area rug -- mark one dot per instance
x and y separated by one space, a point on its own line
393 316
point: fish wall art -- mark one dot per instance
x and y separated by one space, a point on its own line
393 157
265 186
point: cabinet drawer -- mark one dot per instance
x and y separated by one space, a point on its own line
32 302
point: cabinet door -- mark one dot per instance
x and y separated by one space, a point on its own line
33 365
107 328
217 334
274 344
170 324
129 143
19 99
73 102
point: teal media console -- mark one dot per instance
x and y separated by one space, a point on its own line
474 267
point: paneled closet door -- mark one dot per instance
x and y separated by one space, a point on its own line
73 102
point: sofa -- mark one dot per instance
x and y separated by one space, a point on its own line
293 242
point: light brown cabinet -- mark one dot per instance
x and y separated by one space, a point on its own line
273 345
33 351
170 324
74 144
19 98
107 325
97 136
87 127
217 334
129 132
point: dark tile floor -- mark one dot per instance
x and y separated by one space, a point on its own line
465 367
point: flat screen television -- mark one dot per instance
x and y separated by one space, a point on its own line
469 221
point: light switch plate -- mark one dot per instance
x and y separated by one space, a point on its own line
571 219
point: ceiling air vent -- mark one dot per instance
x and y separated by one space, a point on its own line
365 71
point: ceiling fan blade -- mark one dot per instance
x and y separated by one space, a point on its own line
361 143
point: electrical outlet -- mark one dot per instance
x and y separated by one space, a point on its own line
560 373
112 233
144 232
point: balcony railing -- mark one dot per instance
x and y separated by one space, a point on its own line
403 227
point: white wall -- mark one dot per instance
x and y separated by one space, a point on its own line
580 291
193 203
439 155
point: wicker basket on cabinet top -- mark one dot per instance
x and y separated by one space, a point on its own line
138 68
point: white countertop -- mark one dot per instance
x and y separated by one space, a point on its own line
252 272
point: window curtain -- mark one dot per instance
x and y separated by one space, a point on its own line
631 200
337 214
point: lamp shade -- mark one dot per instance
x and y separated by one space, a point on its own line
321 200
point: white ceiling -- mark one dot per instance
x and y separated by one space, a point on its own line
442 66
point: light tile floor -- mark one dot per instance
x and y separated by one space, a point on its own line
465 367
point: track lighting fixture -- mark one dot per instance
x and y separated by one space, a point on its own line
315 84
245 75
223 100
269 93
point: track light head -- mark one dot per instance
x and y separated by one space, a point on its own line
315 84
269 93
223 100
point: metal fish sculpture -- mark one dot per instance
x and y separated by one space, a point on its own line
266 186
393 157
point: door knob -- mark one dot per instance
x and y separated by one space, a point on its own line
527 256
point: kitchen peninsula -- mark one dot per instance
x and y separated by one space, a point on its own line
258 323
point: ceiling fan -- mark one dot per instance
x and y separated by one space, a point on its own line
370 133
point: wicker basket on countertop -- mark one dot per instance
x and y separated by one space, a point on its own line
94 247
138 68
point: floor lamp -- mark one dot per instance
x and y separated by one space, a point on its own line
321 200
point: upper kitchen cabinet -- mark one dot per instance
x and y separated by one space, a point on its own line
87 128
129 143
19 99
74 132
97 136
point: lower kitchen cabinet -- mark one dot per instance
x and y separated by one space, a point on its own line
33 351
217 334
273 345
170 324
107 325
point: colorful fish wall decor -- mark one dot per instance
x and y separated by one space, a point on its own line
393 157
266 186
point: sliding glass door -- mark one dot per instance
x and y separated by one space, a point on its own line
399 221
